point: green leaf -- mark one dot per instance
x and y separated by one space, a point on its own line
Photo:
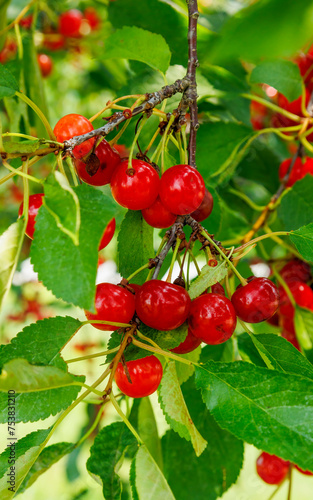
62 203
10 242
135 246
54 255
304 327
267 408
303 241
107 455
8 84
220 352
184 372
21 376
48 457
265 29
165 340
175 410
40 343
139 45
147 479
26 451
210 475
283 75
217 146
208 277
23 147
148 431
296 206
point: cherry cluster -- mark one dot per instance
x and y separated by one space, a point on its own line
273 470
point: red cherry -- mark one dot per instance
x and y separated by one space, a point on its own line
72 125
145 374
26 22
135 287
212 318
293 107
35 202
158 216
8 52
305 63
291 338
70 23
108 234
302 294
271 468
306 472
296 270
256 301
122 150
109 159
45 64
112 303
182 189
205 209
189 344
299 170
90 14
218 288
162 305
53 40
274 320
135 188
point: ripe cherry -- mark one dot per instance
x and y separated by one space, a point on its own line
108 158
72 125
112 303
274 320
190 343
135 287
45 64
108 234
271 468
296 270
306 472
158 216
256 301
53 40
135 188
258 112
218 288
299 170
305 63
145 374
302 294
162 305
35 202
182 189
212 318
291 338
90 14
205 209
294 107
70 23
26 22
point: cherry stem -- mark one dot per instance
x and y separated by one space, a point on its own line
163 353
110 104
100 322
72 170
143 121
138 271
120 133
125 419
283 283
18 18
21 173
246 198
290 482
39 113
231 265
177 245
150 341
91 356
272 106
93 426
194 261
260 238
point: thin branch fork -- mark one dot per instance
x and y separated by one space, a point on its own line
151 101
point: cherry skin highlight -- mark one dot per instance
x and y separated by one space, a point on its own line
205 209
257 301
45 64
135 188
112 303
162 305
212 318
72 125
145 374
296 270
271 468
182 189
158 216
35 202
188 345
108 234
108 158
70 23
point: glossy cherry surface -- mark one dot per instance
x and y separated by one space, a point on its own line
35 202
296 270
112 303
136 188
205 209
190 343
162 305
71 125
70 23
158 216
256 301
302 294
108 234
145 374
218 288
300 169
45 64
212 318
182 189
271 468
108 158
